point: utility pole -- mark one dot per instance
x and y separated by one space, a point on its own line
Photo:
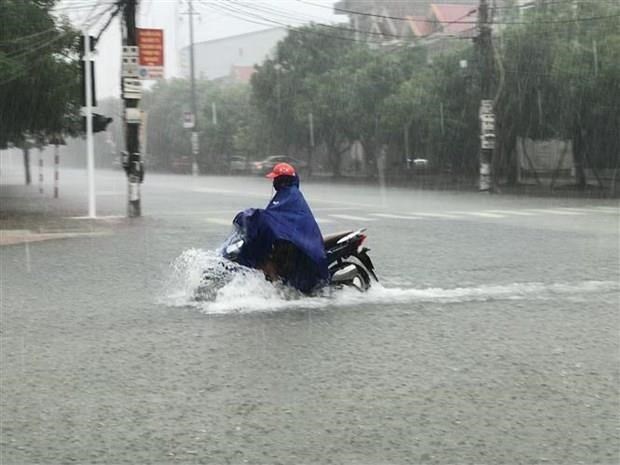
194 137
132 158
90 151
487 114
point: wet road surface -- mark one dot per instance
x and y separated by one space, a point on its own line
492 340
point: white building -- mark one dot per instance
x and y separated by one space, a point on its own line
219 58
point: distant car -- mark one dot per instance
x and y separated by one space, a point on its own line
238 164
417 163
265 166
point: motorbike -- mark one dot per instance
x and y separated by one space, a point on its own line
349 264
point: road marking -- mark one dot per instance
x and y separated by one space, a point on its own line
480 214
20 236
585 210
103 218
609 209
220 221
437 215
352 218
553 212
396 217
512 212
323 220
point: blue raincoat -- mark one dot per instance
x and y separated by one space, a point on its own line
286 218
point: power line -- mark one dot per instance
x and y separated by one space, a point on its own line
261 20
235 14
43 44
341 28
435 21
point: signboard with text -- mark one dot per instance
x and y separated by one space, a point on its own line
151 53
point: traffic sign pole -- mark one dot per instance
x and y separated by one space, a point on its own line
90 151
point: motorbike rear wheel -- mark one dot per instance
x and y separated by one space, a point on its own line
359 279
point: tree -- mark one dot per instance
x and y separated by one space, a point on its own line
587 72
39 74
232 134
560 78
284 87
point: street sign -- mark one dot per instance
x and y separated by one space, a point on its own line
151 53
133 115
487 125
129 67
188 120
132 88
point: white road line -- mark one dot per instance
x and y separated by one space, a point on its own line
220 221
480 214
437 215
103 218
352 218
553 212
581 209
609 209
395 217
323 220
591 210
512 212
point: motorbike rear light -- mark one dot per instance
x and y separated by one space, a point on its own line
362 239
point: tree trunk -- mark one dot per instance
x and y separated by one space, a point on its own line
27 165
578 158
334 160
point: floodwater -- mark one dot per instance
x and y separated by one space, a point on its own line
492 338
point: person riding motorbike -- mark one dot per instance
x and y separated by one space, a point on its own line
284 240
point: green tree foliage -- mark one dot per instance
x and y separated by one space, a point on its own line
557 76
39 71
220 138
283 87
560 78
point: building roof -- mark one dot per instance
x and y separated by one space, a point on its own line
397 8
420 26
455 19
444 19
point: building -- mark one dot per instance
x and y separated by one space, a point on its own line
449 20
232 57
399 20
426 22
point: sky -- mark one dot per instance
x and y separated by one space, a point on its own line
215 19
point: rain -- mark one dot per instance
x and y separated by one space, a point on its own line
309 231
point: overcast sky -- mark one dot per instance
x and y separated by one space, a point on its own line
215 19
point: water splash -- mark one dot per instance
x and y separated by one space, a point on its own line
248 291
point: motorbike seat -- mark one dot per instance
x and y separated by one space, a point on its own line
331 239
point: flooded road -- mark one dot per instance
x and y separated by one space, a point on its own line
493 337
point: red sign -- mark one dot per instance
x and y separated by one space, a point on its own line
151 53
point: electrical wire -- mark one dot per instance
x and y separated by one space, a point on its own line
435 21
328 26
259 19
43 44
235 14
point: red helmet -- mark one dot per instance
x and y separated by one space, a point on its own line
281 169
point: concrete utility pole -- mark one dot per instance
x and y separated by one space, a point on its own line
194 137
130 85
90 150
487 114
